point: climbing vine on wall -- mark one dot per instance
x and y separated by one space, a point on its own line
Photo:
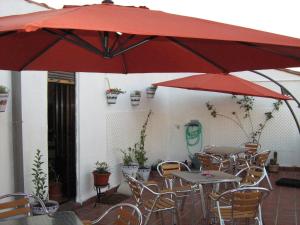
246 104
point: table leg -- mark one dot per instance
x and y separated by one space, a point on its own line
202 201
193 212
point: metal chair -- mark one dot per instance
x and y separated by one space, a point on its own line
212 162
260 160
251 176
17 205
182 190
123 214
156 201
241 204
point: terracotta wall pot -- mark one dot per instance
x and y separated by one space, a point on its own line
3 101
101 179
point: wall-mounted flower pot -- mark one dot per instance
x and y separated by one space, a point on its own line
3 101
150 91
135 98
111 98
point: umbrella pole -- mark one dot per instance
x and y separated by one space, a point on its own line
283 91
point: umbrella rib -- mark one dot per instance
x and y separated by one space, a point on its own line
84 42
40 53
84 45
124 42
124 64
269 50
121 51
216 65
7 33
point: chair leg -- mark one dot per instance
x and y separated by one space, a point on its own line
161 218
182 203
268 179
178 222
148 217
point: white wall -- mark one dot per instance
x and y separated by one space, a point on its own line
105 129
6 146
6 149
34 121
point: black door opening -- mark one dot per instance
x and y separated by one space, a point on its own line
61 138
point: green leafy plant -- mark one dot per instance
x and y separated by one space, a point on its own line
246 104
136 93
139 148
114 91
39 177
128 156
101 167
3 89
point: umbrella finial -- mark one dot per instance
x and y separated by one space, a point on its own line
108 1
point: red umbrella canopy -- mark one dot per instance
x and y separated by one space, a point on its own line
120 39
224 83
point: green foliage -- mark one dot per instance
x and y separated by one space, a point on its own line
139 148
39 177
138 152
3 89
136 93
115 91
246 104
101 167
128 156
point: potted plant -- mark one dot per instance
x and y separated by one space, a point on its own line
129 167
39 182
135 97
140 153
273 165
112 95
150 91
101 174
3 98
55 186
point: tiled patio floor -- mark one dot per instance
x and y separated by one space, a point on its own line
282 207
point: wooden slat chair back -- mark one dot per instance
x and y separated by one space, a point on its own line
251 176
123 214
251 149
168 168
245 204
209 162
242 203
261 158
14 207
155 200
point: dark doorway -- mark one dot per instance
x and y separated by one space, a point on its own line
61 136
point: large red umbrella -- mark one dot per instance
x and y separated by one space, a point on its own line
224 83
119 39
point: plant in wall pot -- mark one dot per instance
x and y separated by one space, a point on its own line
112 95
150 91
39 182
135 98
129 167
101 174
3 98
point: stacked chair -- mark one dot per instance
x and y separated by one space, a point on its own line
18 205
150 199
123 214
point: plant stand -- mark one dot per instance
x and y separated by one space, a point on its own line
100 193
